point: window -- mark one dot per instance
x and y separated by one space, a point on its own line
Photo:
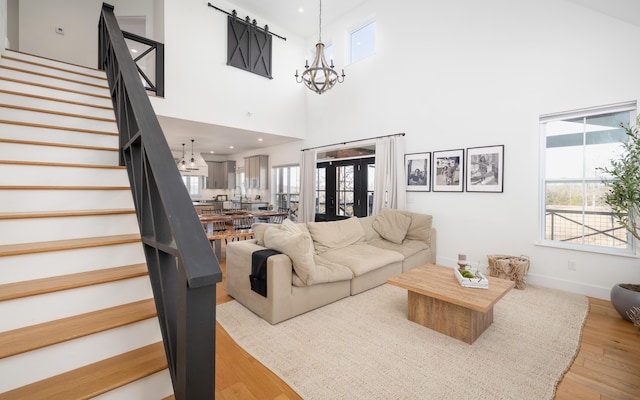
575 145
193 183
287 189
363 42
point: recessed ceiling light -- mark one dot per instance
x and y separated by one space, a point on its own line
231 147
300 10
211 152
259 139
134 50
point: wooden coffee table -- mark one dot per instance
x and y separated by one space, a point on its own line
438 301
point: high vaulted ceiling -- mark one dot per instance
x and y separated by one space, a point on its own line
287 14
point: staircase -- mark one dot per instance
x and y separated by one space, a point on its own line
77 314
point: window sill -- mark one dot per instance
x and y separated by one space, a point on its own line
589 249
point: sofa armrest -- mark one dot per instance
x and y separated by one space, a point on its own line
279 276
432 245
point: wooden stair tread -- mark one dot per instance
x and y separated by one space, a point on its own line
69 244
60 113
61 128
4 78
33 337
66 165
8 57
15 290
26 71
54 99
75 213
52 144
97 378
17 187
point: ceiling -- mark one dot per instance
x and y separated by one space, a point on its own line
286 14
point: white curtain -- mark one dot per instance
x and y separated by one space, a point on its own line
389 185
307 206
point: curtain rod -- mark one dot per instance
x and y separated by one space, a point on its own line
353 141
234 14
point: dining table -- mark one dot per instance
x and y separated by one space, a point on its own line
216 236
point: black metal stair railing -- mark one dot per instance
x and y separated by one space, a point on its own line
152 82
182 266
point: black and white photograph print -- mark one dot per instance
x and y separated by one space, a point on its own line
418 171
485 167
448 170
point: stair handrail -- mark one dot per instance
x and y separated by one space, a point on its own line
182 266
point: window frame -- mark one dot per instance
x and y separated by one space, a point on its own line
201 183
288 193
357 28
631 108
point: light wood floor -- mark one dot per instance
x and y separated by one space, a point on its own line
607 365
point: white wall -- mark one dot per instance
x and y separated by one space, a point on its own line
201 87
455 74
4 43
78 18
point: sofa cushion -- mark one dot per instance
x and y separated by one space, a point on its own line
420 228
407 248
299 248
259 230
392 225
289 226
361 258
367 225
325 271
335 234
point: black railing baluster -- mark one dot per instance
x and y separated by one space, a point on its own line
182 266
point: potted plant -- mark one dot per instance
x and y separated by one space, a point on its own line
623 196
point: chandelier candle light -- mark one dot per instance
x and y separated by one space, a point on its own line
319 76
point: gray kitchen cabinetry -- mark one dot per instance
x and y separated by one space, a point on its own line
256 172
222 175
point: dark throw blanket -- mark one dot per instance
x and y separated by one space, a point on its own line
258 277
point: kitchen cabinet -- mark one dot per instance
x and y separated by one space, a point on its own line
222 175
256 172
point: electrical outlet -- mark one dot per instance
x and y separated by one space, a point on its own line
572 265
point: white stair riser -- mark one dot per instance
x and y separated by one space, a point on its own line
33 310
56 64
154 387
33 117
56 106
54 93
53 72
54 82
57 263
47 135
36 175
63 200
31 230
29 152
30 367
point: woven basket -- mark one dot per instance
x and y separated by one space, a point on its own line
509 267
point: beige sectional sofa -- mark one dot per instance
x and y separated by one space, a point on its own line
322 262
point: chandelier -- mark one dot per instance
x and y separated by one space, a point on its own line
319 76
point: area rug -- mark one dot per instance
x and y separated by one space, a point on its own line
363 347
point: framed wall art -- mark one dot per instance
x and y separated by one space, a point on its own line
418 172
448 170
485 169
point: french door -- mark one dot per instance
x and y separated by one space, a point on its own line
344 188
